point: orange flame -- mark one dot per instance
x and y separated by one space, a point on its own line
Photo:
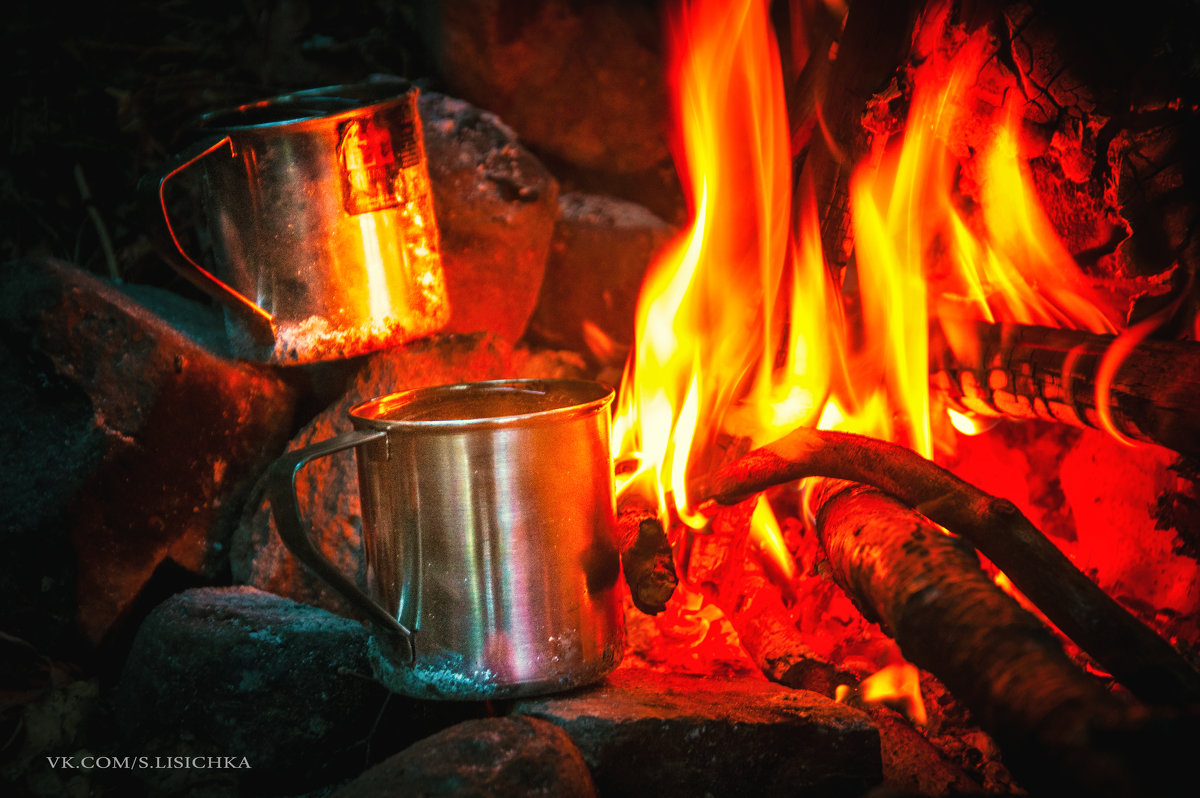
741 330
707 316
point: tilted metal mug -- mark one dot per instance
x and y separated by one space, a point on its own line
320 214
490 536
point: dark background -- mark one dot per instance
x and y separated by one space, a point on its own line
104 94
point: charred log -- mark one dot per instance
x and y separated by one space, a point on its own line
1136 656
1060 728
720 562
1030 372
646 557
872 47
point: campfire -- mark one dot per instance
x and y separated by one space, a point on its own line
904 436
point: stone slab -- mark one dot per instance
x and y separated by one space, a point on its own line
645 733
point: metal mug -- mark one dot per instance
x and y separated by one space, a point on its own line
321 219
489 532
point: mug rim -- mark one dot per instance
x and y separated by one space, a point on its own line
318 106
590 396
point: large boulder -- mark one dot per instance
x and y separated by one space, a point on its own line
584 82
495 205
601 250
273 688
275 698
132 450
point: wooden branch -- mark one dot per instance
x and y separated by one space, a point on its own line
1126 648
872 48
720 562
1061 731
1023 371
646 557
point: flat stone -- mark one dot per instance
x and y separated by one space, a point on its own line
487 758
602 247
645 733
328 487
495 204
162 438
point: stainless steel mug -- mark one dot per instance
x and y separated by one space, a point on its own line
320 214
489 530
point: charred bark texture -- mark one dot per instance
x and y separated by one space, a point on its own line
872 47
720 562
1030 372
1123 645
1059 727
646 557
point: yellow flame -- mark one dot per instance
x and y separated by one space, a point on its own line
707 315
897 686
767 537
968 423
1113 358
1034 277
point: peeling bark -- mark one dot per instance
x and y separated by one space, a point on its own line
1059 727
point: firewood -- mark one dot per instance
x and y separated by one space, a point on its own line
873 45
1061 730
719 562
646 557
1030 372
1136 657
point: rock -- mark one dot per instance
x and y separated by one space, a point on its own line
49 445
495 205
601 249
912 765
488 758
241 674
328 487
236 672
582 81
158 443
644 733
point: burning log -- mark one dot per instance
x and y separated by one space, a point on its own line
1029 372
719 562
1060 727
646 557
770 636
1136 656
873 43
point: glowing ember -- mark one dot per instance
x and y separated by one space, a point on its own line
317 339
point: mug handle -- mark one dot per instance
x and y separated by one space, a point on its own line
281 492
256 320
